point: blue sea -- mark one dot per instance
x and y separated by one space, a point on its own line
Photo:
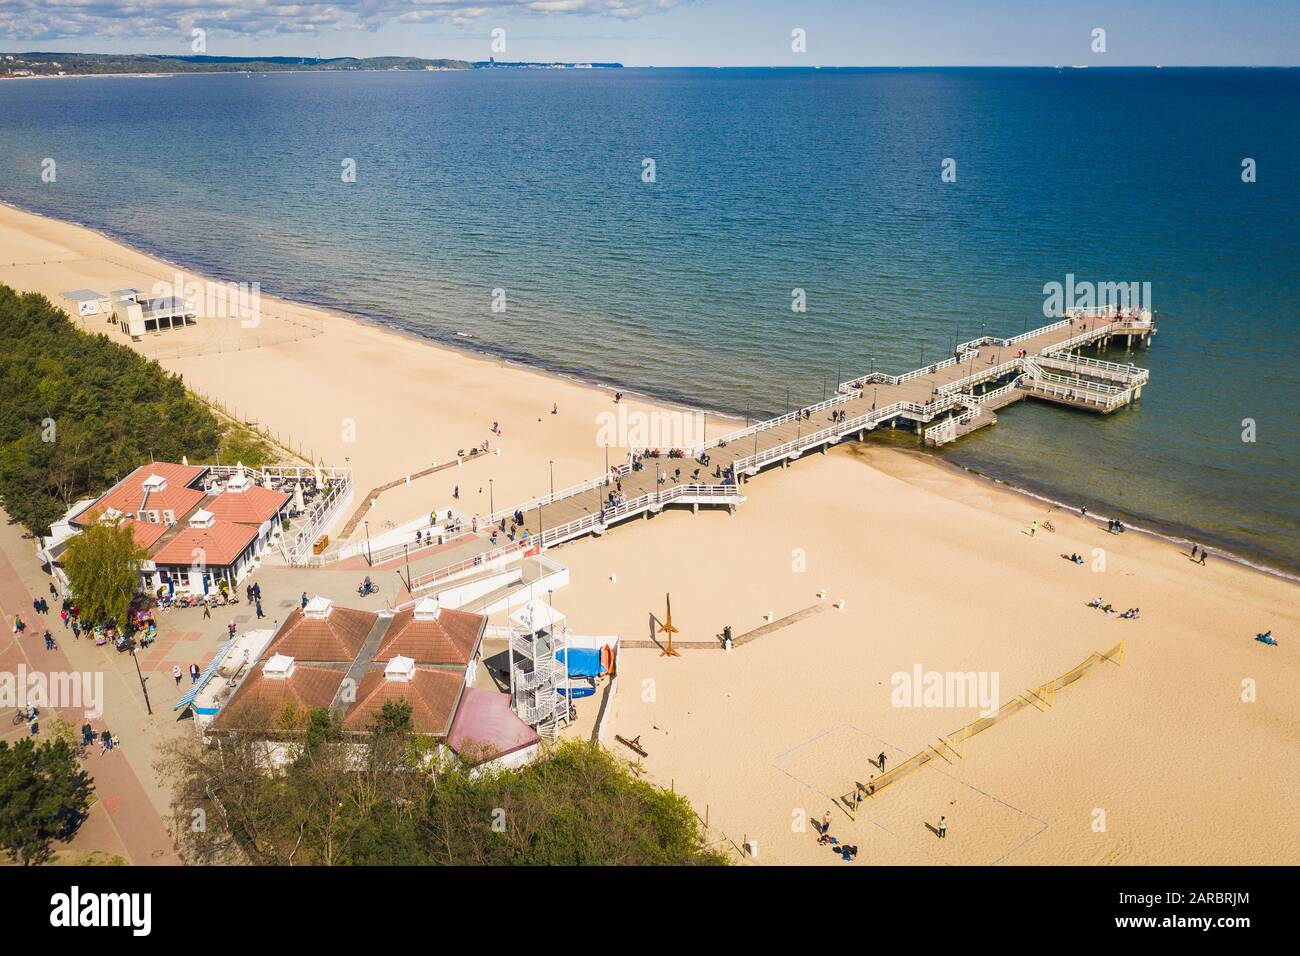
765 181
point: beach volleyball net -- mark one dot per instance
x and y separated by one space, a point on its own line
1039 698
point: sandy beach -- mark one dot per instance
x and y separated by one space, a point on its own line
1181 754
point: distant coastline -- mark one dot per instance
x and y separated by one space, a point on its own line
32 65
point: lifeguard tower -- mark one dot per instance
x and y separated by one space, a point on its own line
539 680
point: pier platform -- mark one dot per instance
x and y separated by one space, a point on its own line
940 402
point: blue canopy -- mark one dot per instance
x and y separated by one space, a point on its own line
206 676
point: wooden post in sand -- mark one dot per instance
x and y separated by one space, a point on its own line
667 628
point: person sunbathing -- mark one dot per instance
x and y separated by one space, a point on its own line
1095 602
1266 638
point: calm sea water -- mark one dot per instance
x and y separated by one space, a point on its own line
765 181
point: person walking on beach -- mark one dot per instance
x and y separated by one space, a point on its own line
826 823
455 491
943 828
1203 555
1195 548
1033 526
880 761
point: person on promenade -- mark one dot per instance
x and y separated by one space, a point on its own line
176 674
19 626
304 600
943 828
207 611
105 742
258 606
63 616
49 642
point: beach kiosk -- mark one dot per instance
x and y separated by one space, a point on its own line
87 302
136 314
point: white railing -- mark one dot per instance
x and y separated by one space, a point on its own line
1068 381
983 373
1082 361
844 394
431 577
869 420
598 482
649 501
319 515
1025 336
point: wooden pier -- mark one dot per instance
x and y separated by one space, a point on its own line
941 402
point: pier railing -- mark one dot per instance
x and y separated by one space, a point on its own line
601 481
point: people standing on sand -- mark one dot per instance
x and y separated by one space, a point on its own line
455 491
826 823
555 408
943 828
880 761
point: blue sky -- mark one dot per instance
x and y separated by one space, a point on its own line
682 32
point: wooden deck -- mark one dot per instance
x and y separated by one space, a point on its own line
941 402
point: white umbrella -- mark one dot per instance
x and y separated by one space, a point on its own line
320 479
297 497
185 459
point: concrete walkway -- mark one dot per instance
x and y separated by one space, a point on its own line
124 819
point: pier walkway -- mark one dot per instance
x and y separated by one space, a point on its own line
941 402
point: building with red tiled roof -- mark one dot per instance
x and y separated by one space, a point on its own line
320 645
207 541
323 633
160 492
430 634
246 503
199 531
282 692
431 692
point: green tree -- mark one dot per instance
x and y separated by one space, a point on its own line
44 796
103 567
78 411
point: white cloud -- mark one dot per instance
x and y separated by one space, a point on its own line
161 19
